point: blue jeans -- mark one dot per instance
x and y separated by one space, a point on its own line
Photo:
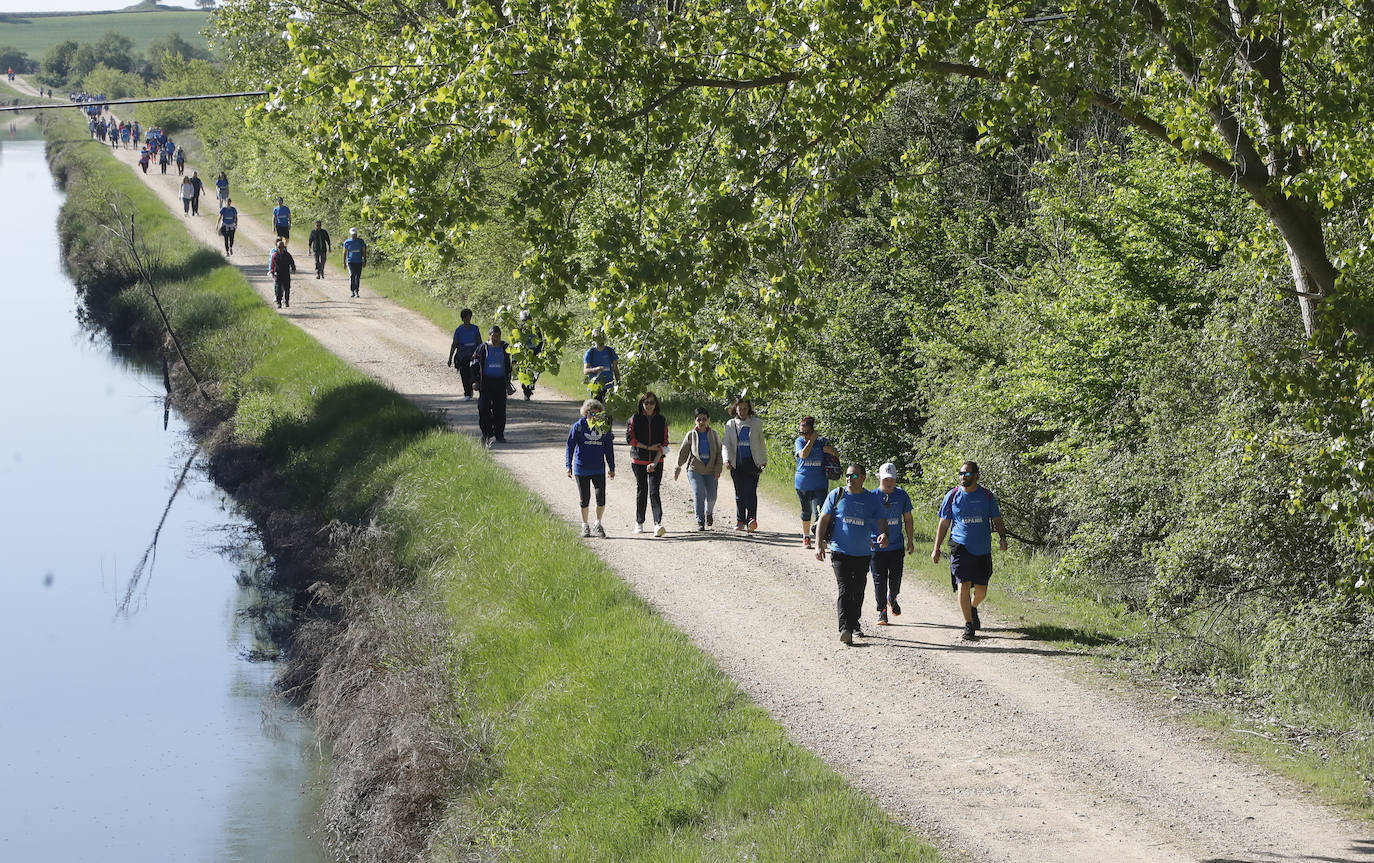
812 499
704 486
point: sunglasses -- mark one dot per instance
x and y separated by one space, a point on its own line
854 476
968 473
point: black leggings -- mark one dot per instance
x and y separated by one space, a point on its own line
646 490
584 489
746 477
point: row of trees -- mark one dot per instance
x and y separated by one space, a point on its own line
1115 253
111 65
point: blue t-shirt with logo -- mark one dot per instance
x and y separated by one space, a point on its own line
353 252
601 357
704 446
742 448
230 216
495 366
281 215
858 518
810 470
972 514
895 506
468 337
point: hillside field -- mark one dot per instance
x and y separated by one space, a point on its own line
36 34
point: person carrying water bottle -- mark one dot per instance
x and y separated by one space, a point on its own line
492 362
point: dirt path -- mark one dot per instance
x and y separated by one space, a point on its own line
995 748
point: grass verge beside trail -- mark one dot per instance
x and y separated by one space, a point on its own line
594 730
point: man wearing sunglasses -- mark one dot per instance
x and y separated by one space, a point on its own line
968 516
852 523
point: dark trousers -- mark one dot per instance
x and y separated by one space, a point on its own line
195 205
491 408
746 478
355 275
466 372
283 289
229 239
646 491
851 576
185 205
320 255
887 575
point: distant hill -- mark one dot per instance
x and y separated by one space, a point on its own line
144 23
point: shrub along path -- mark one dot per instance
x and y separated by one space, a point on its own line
998 748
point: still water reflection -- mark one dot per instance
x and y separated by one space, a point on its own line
142 734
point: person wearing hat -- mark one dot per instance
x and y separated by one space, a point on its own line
601 365
281 266
968 516
281 219
321 246
886 566
491 360
355 258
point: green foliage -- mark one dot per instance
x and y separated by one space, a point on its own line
13 58
113 83
37 34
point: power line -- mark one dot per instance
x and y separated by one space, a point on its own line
92 104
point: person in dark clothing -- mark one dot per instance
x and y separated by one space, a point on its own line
465 341
197 186
851 524
320 246
647 435
491 361
163 159
281 266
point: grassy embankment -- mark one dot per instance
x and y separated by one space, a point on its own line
600 733
35 34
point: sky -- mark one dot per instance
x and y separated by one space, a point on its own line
78 5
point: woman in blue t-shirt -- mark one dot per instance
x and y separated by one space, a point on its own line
810 480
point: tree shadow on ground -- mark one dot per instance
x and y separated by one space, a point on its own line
1054 634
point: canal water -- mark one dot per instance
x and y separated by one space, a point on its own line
133 725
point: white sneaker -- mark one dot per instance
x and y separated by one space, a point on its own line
659 530
600 531
586 529
639 527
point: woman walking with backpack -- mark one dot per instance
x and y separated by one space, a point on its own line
647 435
746 455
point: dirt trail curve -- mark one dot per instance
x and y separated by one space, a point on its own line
996 748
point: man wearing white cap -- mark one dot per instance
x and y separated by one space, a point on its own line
355 258
886 565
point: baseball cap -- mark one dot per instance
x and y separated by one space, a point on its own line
887 471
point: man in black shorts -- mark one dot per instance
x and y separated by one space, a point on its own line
968 516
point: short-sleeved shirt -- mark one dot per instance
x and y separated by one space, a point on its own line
858 517
468 337
810 470
230 216
281 215
353 251
495 366
601 357
222 183
972 515
743 449
895 506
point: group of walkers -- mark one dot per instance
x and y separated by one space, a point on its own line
117 132
488 368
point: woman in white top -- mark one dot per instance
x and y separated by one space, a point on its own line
188 191
746 455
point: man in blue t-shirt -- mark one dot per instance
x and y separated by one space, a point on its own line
852 523
968 515
465 341
888 562
281 219
601 365
355 258
491 361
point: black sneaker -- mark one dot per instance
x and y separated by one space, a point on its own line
710 519
977 624
859 632
969 634
894 607
846 637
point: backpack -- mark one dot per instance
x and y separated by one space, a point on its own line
833 469
830 528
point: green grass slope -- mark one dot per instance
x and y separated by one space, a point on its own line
35 34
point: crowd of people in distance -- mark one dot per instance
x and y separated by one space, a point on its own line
866 533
